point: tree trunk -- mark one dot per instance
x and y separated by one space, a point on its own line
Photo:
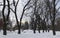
17 20
53 21
4 24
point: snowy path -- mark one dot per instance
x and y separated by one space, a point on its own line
30 34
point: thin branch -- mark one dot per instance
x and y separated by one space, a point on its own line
12 10
29 7
17 2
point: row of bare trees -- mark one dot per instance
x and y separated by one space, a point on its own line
42 12
15 4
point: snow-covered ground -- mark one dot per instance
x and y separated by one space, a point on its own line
30 34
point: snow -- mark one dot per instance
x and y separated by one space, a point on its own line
30 34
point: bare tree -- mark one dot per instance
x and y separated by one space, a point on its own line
52 12
8 9
4 19
4 25
15 12
24 11
53 21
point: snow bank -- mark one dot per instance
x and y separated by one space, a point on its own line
30 34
